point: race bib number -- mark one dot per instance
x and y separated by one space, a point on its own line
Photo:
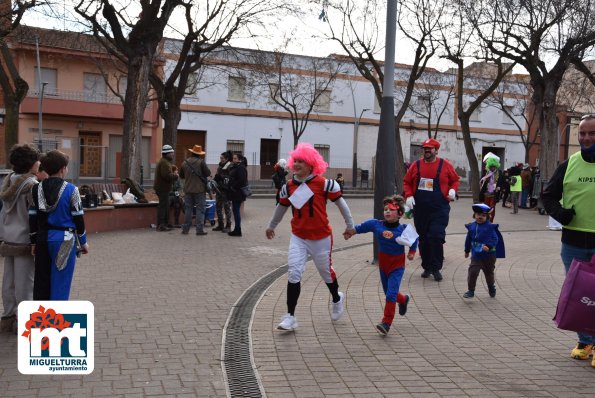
426 184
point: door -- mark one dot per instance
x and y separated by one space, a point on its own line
269 154
90 154
186 140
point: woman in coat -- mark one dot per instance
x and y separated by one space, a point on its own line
238 178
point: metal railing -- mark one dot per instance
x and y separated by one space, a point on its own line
74 95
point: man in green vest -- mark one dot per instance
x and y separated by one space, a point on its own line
516 186
574 183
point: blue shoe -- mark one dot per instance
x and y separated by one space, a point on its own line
383 328
403 307
492 291
469 294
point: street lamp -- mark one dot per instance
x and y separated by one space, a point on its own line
355 138
39 123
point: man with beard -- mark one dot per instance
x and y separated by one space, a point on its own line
573 183
430 185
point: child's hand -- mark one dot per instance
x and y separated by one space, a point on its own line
466 254
348 233
410 256
270 233
485 248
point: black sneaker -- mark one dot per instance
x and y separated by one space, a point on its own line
469 294
437 276
403 307
383 328
425 274
492 291
201 233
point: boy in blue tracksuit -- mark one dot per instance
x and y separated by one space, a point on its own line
391 256
485 244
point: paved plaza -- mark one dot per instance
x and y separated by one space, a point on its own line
163 303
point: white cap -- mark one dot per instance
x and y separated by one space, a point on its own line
167 149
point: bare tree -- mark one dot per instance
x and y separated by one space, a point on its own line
134 41
577 91
14 87
433 92
302 86
208 26
545 37
458 41
512 99
356 29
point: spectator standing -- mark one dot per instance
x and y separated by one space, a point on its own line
238 178
340 180
430 185
505 187
485 244
311 233
489 186
15 247
194 172
57 228
516 185
222 203
526 181
163 184
279 177
572 182
176 201
391 257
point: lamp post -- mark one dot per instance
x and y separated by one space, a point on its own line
40 115
355 139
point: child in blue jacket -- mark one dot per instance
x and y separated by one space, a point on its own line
485 244
391 256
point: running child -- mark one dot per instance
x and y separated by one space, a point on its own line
391 256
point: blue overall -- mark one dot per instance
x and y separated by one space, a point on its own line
431 219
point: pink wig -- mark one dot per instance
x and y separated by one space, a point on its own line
307 154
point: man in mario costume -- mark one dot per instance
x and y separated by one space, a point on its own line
430 184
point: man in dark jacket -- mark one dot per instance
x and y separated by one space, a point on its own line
164 178
194 171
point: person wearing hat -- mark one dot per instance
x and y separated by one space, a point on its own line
485 244
430 184
163 184
568 198
194 171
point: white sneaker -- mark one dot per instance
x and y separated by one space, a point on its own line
337 309
288 322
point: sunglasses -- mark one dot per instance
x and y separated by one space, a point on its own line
588 116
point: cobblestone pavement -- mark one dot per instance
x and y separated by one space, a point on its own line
162 300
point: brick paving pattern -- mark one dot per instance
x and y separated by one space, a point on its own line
162 300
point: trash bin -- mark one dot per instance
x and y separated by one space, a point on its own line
210 211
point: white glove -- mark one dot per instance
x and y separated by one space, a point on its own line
452 195
410 202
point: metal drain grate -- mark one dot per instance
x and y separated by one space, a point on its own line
237 361
237 357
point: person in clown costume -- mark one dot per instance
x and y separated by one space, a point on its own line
392 240
311 234
490 185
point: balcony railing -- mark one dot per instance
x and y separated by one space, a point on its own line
73 95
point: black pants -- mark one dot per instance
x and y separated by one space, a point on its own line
432 253
162 208
487 265
43 264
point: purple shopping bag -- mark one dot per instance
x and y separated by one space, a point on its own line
576 306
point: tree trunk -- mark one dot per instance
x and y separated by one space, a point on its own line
399 159
171 120
134 109
11 125
549 148
473 166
